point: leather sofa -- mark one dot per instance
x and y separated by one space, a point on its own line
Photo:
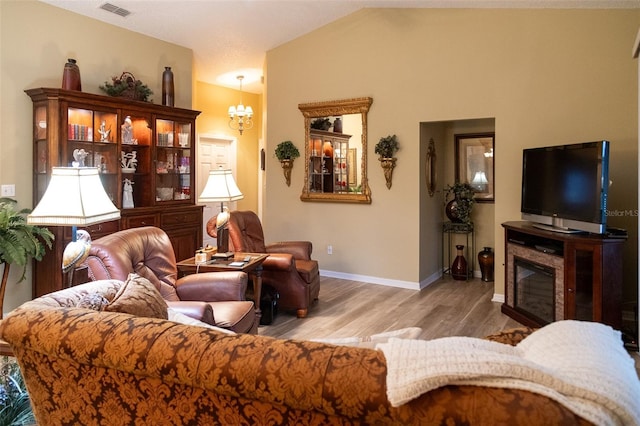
83 366
289 268
217 298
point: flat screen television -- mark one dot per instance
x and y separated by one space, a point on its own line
564 187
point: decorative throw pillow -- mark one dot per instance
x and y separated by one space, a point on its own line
93 301
181 318
139 297
371 341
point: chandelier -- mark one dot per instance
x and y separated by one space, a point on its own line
240 117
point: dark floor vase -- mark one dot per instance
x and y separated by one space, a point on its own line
485 260
459 269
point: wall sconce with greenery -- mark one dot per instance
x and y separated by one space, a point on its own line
386 148
286 152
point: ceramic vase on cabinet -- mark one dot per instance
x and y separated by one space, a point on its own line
337 125
485 260
459 266
167 87
71 76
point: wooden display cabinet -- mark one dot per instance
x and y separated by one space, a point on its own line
151 146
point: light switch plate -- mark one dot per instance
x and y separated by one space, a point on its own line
8 190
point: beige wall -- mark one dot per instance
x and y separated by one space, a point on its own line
35 41
545 76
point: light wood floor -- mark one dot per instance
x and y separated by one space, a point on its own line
350 308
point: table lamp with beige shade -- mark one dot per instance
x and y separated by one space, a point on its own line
74 197
221 187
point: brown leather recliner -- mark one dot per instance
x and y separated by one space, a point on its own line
217 298
289 268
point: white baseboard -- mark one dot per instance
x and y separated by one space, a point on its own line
382 281
497 297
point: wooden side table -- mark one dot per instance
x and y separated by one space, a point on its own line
253 267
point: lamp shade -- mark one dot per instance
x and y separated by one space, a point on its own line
220 187
479 179
75 197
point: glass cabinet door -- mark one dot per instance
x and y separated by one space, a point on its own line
583 293
92 142
340 151
173 161
135 160
42 158
317 166
328 170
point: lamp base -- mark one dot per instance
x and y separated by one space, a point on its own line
226 255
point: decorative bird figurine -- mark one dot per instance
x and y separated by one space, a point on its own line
222 233
223 218
76 251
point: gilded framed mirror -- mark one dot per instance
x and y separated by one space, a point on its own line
335 132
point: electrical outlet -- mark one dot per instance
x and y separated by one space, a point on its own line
329 249
8 190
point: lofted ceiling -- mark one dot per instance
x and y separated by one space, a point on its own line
231 37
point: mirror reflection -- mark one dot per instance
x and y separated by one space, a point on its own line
336 151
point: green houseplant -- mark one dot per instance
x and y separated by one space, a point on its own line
286 152
127 86
322 123
387 146
19 241
458 209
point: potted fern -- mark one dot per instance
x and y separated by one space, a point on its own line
19 241
286 152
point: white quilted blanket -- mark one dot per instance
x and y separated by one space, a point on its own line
582 365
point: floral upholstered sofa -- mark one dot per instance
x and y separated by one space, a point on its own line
105 353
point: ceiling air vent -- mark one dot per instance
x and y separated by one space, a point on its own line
115 9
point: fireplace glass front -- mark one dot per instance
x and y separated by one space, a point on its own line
534 290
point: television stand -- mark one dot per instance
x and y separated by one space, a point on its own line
557 229
551 276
